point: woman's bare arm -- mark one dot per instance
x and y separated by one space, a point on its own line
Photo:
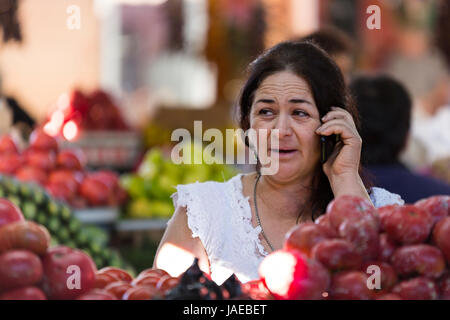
179 235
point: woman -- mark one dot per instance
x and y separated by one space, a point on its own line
294 87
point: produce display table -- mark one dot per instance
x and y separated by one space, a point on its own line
141 225
100 216
141 229
138 239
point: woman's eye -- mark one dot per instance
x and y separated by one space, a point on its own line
300 113
266 112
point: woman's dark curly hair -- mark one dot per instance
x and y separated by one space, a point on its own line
327 86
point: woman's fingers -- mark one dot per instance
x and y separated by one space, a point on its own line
346 153
339 113
338 126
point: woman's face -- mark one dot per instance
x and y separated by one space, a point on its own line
285 102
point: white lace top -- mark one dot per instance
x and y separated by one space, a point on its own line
220 215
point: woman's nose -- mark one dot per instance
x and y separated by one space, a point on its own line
283 125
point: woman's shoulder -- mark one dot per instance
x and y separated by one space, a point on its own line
207 206
381 197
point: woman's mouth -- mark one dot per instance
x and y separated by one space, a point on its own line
284 153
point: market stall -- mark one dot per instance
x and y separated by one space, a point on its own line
352 252
90 111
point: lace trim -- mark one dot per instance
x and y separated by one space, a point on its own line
184 198
199 222
381 197
243 206
196 219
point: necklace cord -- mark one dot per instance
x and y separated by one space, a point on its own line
257 214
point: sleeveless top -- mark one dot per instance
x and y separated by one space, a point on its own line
220 215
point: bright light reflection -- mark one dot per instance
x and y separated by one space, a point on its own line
63 101
70 130
173 259
278 271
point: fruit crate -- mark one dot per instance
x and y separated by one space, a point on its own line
111 149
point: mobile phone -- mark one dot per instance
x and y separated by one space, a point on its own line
327 144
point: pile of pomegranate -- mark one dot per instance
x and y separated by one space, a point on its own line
62 172
355 251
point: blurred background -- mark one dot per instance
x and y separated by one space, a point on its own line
114 78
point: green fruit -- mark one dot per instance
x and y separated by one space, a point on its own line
36 204
155 192
53 225
65 213
14 199
71 244
92 235
82 239
98 235
115 260
63 235
53 208
95 247
38 196
161 209
29 210
134 185
94 231
140 208
203 172
25 190
41 218
98 262
195 173
173 171
11 185
163 187
106 254
74 226
151 164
